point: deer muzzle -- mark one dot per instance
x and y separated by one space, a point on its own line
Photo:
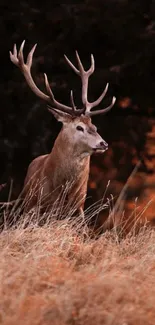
101 147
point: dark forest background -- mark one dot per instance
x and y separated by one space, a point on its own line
121 35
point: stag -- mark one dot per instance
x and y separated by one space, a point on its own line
69 160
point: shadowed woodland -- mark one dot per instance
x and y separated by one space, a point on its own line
121 35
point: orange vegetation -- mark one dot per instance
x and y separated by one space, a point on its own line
58 275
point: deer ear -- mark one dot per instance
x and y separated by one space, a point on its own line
60 116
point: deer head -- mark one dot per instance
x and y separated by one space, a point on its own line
77 126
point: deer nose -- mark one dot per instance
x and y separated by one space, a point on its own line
104 144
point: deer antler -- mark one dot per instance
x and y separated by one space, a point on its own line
85 78
18 60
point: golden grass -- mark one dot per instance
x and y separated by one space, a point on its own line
57 274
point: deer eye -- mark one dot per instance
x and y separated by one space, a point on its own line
80 128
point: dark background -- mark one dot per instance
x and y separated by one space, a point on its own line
121 35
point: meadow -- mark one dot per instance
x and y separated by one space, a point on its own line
60 274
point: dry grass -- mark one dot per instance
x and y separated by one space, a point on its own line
57 274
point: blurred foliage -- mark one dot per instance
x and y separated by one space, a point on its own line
121 35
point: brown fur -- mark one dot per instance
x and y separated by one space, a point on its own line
49 173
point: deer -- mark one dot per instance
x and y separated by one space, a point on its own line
78 139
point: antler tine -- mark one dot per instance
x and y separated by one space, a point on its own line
104 110
92 67
13 56
20 54
81 68
15 50
48 88
72 65
72 101
18 59
76 112
58 105
98 101
30 56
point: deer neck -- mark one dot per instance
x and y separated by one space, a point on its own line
64 164
64 151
